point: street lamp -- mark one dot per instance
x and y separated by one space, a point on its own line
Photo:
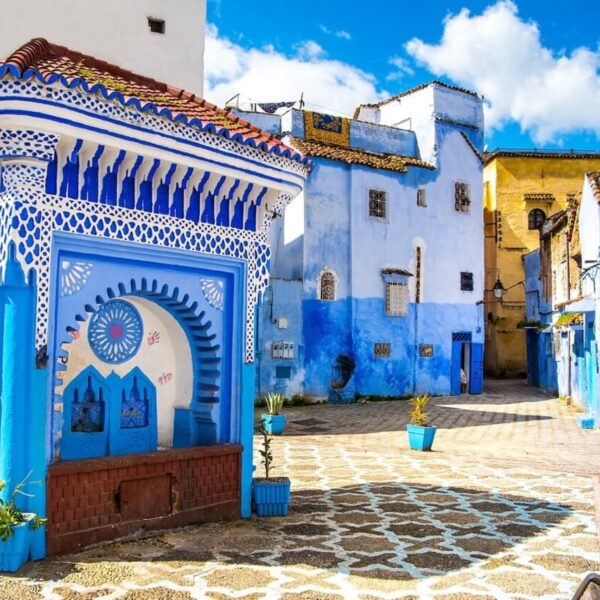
498 290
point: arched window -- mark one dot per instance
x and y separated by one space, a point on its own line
536 218
327 285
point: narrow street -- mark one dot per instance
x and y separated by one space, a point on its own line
502 508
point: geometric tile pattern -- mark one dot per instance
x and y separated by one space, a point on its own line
365 522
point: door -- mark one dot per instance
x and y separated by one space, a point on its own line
455 368
476 369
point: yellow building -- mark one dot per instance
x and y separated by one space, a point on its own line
521 189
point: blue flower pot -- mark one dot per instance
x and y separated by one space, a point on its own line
274 424
420 438
271 497
14 552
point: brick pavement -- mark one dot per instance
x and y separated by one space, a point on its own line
370 519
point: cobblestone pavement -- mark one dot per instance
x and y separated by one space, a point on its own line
477 518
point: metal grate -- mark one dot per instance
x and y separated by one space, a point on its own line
327 286
462 200
462 336
382 349
396 299
377 204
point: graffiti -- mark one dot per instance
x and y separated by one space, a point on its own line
165 378
153 338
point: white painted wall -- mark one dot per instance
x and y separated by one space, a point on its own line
116 31
589 232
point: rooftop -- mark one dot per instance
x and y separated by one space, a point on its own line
390 162
535 153
594 179
50 63
412 90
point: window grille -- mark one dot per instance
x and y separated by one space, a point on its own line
462 336
382 350
536 218
421 197
466 281
396 299
426 350
377 204
327 291
418 275
282 350
462 201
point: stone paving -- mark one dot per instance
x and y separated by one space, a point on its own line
503 508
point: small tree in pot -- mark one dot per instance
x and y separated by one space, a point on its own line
420 436
273 422
271 495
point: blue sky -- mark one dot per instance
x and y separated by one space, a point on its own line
537 63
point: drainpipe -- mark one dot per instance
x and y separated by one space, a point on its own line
416 350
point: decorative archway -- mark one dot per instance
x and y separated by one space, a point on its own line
205 355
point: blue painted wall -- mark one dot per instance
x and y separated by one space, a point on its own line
328 227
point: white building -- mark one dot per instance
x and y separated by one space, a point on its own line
162 39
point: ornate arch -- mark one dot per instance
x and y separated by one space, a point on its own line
327 285
205 353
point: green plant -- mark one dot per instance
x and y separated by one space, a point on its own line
265 452
274 402
11 516
418 416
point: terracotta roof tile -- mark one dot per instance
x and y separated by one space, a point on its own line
594 179
573 154
538 197
50 63
389 162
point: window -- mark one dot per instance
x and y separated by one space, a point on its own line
466 281
536 218
377 204
396 299
462 201
421 197
418 275
283 372
327 286
382 350
282 350
156 25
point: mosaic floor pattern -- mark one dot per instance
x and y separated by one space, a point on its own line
365 522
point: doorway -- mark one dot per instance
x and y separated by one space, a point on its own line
466 365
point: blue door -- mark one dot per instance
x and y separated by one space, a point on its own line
476 369
455 368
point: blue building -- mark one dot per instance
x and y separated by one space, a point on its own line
133 249
381 258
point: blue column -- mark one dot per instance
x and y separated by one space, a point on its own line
247 437
17 323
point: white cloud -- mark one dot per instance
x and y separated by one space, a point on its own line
267 75
402 68
502 57
340 33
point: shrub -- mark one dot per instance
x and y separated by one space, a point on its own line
418 416
11 516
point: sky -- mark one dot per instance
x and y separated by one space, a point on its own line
536 63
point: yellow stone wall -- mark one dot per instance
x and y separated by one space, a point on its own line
507 239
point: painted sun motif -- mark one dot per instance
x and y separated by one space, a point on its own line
213 292
115 332
73 276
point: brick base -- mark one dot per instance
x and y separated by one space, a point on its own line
99 499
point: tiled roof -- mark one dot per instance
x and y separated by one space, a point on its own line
351 156
573 154
412 90
50 63
594 179
538 197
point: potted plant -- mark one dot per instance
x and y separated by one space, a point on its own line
274 423
420 436
16 527
271 495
